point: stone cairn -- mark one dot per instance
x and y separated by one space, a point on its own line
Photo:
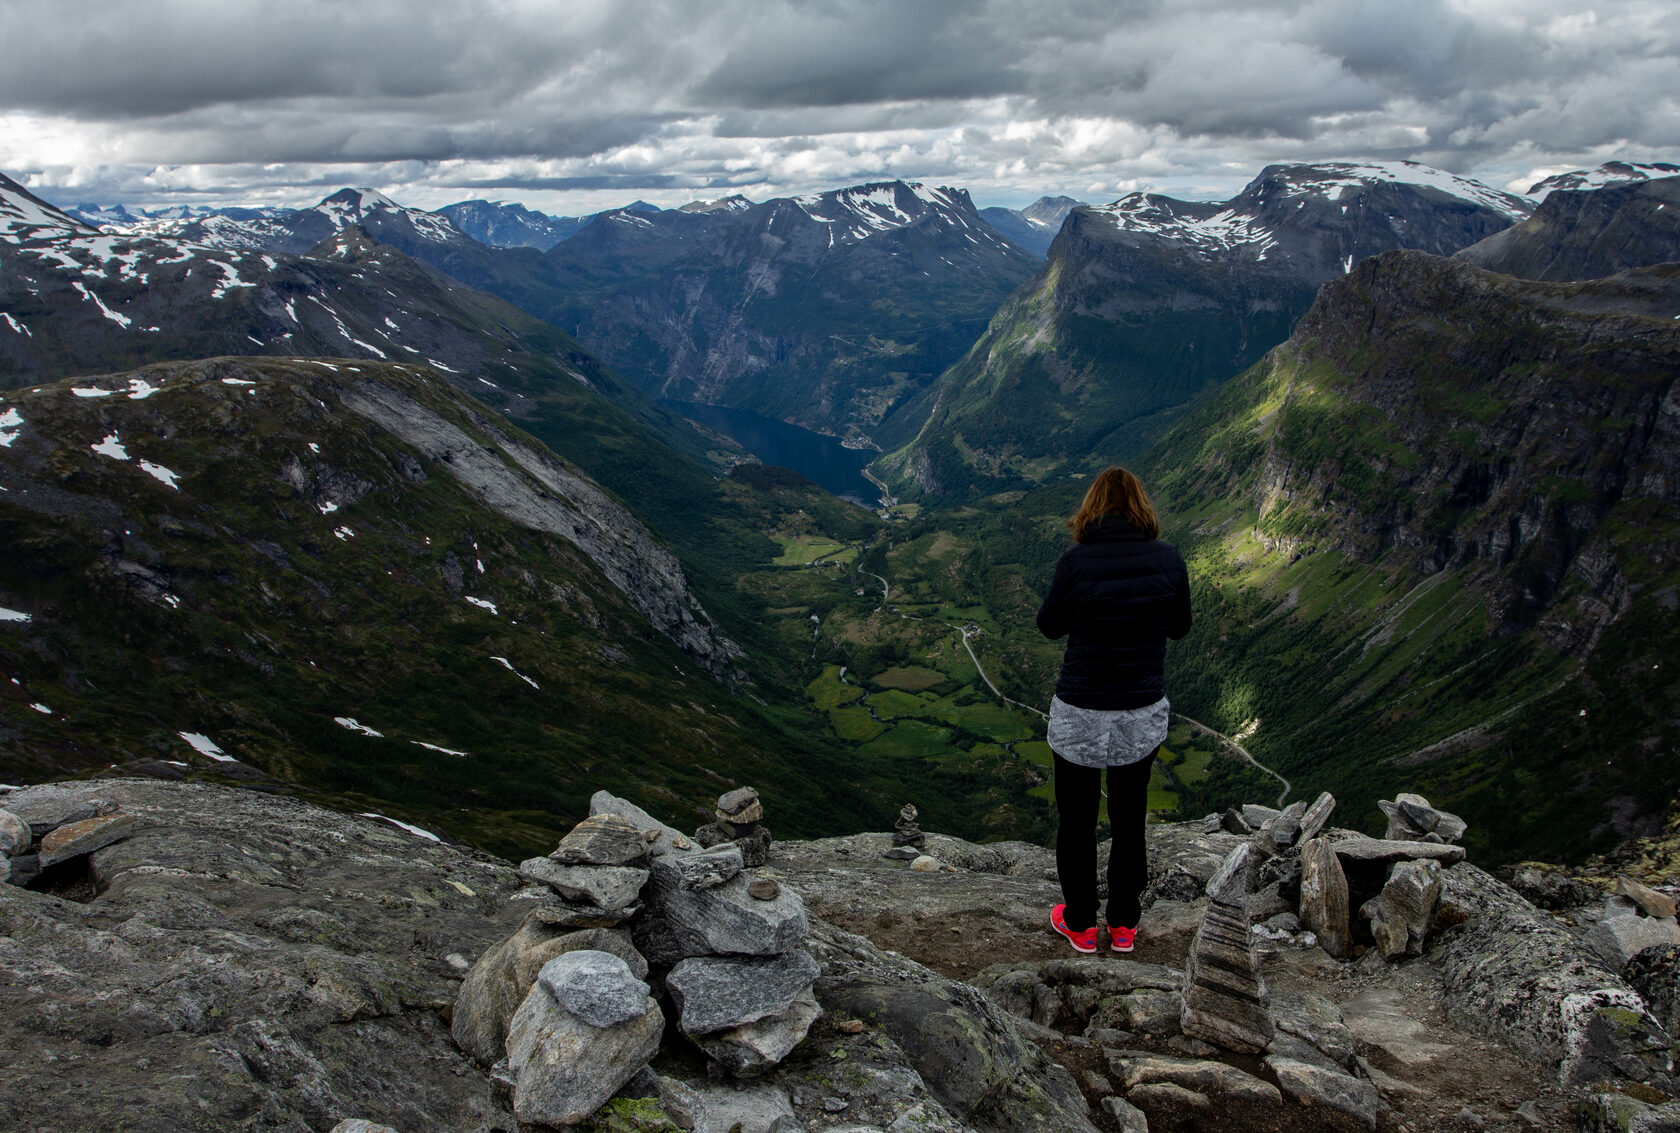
44 834
1309 887
907 839
634 926
739 818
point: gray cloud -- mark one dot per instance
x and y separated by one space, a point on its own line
1092 97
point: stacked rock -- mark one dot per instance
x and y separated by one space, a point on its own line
907 837
48 831
739 818
1411 818
1636 917
1394 883
598 868
566 1010
1224 996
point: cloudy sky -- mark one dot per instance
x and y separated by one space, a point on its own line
576 105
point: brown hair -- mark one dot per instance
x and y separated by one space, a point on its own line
1115 491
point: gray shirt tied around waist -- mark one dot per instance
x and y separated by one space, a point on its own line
1095 737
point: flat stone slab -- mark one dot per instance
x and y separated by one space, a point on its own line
605 886
1329 1089
716 993
1211 1079
602 839
84 837
1389 850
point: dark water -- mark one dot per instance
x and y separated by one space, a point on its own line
812 455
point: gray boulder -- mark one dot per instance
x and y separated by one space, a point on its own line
1655 974
597 987
1401 914
1317 1087
503 976
753 1048
15 834
665 838
564 1067
1616 939
724 919
716 993
966 1049
705 869
1527 980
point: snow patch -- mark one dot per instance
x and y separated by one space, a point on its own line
435 747
17 327
11 421
351 723
204 745
111 447
160 473
91 391
238 381
121 320
483 603
508 665
13 615
414 830
42 708
344 533
139 389
329 507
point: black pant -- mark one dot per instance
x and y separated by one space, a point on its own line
1077 790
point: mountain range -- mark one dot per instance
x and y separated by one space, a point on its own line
1411 431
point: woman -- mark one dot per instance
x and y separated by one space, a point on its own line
1119 593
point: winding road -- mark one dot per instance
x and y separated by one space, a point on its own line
971 631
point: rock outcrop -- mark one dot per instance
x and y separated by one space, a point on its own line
310 970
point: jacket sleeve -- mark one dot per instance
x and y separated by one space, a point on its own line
1178 616
1055 616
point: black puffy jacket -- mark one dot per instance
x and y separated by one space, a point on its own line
1117 597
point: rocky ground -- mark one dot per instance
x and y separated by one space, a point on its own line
187 956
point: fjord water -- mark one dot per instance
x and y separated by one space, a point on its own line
819 458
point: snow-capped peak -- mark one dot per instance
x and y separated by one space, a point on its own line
1610 173
24 216
733 203
1336 177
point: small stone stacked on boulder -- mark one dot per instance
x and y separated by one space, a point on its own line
739 818
586 1028
598 868
1411 818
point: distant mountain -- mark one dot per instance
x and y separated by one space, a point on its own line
76 301
1034 226
1610 173
1437 541
508 225
1588 233
828 310
1146 302
734 203
349 577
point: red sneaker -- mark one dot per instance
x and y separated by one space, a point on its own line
1085 941
1121 939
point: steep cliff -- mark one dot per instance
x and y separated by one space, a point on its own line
1146 302
1437 537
